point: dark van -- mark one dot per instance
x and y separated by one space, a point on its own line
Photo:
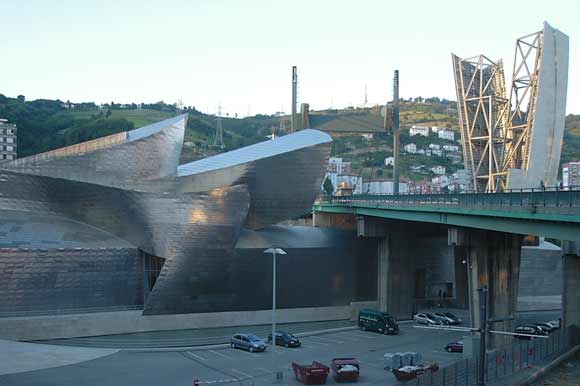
373 320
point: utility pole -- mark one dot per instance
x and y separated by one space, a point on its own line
219 132
482 335
293 125
396 142
366 96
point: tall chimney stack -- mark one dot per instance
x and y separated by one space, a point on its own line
396 142
293 122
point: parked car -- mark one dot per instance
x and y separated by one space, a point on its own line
427 318
454 347
285 339
546 327
449 317
248 342
373 320
528 329
555 324
345 369
444 321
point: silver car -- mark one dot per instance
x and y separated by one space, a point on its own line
448 317
428 319
248 342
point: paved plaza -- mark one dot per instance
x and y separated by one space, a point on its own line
218 365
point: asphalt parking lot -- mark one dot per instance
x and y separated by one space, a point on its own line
219 365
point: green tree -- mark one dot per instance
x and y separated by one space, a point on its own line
328 187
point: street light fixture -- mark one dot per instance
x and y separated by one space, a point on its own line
274 252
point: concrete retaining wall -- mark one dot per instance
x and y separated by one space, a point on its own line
122 322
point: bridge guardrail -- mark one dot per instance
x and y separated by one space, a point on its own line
529 198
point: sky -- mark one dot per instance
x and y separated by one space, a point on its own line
239 53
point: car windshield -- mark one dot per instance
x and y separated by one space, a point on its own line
253 338
431 316
450 315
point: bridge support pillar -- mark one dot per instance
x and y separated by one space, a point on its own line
494 261
396 276
396 267
571 293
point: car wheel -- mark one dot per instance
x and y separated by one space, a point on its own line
449 349
251 349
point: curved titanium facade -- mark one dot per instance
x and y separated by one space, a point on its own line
143 154
129 185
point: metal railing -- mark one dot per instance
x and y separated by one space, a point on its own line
530 199
501 362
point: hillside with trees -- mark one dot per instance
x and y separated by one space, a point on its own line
49 124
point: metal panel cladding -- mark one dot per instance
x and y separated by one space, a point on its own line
283 175
130 185
143 154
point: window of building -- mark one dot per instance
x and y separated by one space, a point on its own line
152 267
9 140
9 148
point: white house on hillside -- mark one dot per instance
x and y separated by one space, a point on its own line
438 169
446 134
382 187
450 147
411 148
419 130
434 146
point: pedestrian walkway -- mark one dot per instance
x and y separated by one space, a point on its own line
192 337
18 357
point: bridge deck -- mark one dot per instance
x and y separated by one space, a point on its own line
547 212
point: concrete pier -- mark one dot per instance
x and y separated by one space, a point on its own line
571 293
494 259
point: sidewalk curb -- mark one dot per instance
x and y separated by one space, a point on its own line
542 371
226 345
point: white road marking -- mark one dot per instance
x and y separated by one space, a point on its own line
199 357
242 373
220 354
263 370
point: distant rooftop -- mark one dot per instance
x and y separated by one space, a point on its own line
354 122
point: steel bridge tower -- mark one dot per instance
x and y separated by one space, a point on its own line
514 141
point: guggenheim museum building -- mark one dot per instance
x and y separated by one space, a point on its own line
117 222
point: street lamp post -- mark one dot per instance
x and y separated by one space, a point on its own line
274 252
